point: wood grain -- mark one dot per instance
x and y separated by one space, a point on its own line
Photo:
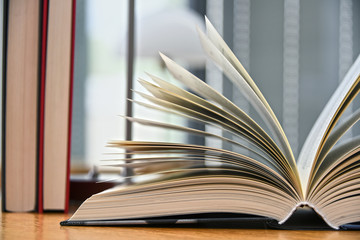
46 226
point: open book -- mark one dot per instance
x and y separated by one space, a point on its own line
265 182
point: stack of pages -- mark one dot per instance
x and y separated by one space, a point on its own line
267 181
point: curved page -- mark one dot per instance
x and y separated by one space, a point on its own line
325 122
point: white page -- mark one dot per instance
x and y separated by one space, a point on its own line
199 132
187 106
253 128
318 133
334 137
335 156
206 91
221 54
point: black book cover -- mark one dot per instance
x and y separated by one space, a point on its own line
302 219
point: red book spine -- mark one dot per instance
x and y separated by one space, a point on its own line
72 54
42 105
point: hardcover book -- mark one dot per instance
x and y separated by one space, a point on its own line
20 83
38 45
212 184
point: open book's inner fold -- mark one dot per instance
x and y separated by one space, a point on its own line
314 143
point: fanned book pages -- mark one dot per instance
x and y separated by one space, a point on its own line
265 180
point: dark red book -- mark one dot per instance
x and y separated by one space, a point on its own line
42 104
57 109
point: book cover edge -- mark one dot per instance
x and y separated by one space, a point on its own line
43 39
71 89
3 125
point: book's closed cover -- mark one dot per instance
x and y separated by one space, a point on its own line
72 57
193 220
3 102
302 219
44 21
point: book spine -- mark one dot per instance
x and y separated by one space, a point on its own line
72 54
3 125
306 203
43 37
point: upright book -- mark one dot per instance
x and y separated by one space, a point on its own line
265 182
57 92
20 104
37 99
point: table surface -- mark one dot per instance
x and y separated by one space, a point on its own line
46 226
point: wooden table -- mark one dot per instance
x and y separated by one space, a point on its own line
46 226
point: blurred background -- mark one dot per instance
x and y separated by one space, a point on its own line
297 52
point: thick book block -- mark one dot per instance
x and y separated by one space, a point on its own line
20 105
265 182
